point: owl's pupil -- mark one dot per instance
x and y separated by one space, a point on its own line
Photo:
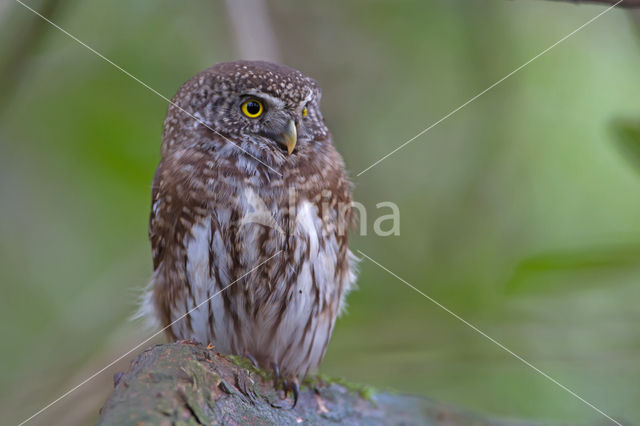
253 107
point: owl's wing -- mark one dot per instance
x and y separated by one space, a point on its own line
157 220
173 211
171 219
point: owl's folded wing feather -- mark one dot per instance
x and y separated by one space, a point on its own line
155 221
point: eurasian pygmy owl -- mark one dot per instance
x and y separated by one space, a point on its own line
251 195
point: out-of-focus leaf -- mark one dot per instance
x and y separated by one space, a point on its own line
628 140
576 261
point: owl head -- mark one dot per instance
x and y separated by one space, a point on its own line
269 111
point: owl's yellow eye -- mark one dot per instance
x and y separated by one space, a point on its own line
304 112
252 108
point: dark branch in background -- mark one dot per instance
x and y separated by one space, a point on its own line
22 45
625 3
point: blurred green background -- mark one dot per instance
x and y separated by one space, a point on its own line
521 212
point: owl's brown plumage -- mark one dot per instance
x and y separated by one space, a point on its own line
235 189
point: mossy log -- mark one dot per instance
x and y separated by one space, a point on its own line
186 383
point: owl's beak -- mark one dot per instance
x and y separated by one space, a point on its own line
289 137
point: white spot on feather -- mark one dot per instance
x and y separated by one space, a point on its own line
306 218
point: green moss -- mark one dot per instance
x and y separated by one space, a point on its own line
310 381
246 363
364 391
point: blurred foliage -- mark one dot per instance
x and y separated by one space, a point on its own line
518 213
628 139
589 260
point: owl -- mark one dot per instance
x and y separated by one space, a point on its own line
251 208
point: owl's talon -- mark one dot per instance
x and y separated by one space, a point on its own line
252 359
293 386
276 374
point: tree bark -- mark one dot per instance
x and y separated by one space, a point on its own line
187 383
